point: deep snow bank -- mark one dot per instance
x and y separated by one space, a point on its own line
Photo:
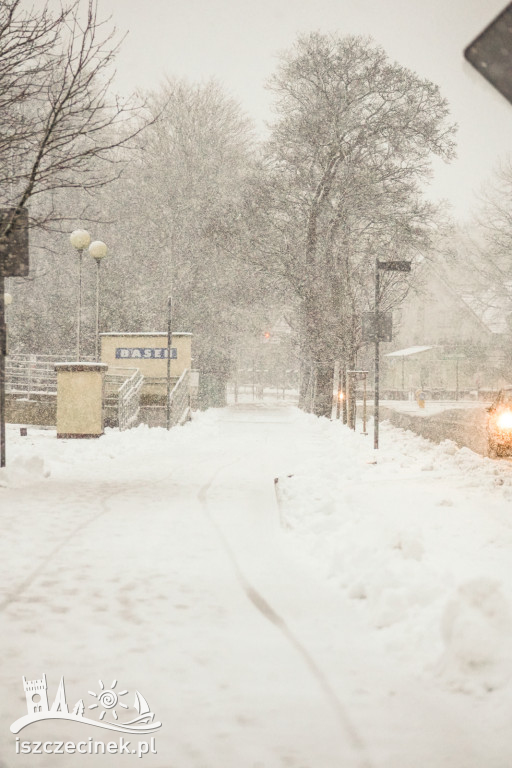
23 469
419 537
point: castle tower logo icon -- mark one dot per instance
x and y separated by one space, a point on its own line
108 704
36 692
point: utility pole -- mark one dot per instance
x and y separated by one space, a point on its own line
380 333
169 350
13 263
3 352
377 358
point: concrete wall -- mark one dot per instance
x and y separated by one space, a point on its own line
151 363
39 410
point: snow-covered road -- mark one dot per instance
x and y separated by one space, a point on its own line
157 559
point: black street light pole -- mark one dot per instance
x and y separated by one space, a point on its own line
377 359
3 351
14 262
169 347
388 266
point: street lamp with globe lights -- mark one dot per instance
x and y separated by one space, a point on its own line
80 240
98 250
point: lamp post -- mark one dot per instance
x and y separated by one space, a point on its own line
98 250
80 240
387 266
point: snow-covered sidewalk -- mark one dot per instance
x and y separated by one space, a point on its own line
371 627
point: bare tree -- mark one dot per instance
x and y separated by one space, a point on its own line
60 127
494 222
482 257
188 176
160 220
342 184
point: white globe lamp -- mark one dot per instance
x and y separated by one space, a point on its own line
98 250
80 239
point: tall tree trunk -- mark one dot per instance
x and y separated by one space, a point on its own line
306 385
344 404
324 390
318 360
351 387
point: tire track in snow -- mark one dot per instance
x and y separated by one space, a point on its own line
266 610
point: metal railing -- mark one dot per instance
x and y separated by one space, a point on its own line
179 400
264 384
27 374
122 394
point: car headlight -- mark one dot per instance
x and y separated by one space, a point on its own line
504 420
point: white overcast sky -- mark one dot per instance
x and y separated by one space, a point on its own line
236 41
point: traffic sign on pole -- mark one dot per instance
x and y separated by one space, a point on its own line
491 51
394 266
387 266
382 330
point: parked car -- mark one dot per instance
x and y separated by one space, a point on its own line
499 424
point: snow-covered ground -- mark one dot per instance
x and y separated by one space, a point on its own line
358 613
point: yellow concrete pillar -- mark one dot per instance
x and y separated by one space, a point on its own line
80 399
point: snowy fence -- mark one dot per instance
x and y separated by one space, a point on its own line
33 374
260 384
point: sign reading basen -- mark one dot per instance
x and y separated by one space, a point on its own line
145 353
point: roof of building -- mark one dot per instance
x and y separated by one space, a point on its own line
491 308
408 351
147 333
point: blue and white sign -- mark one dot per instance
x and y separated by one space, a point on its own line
145 353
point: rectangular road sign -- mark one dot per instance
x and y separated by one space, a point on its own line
491 52
14 248
394 266
358 375
384 326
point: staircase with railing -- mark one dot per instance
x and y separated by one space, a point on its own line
31 383
122 398
179 400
